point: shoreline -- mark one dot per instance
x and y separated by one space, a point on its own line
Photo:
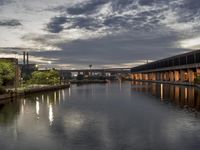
11 96
87 81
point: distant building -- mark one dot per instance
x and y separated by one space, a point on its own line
26 68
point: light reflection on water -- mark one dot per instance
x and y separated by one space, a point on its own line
115 116
183 96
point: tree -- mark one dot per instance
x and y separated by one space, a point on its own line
7 71
45 77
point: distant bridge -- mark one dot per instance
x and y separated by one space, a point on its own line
106 70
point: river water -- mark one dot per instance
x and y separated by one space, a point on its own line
112 116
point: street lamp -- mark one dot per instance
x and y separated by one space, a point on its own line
90 69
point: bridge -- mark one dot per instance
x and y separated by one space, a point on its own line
180 69
101 71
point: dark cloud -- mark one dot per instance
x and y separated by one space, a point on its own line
55 26
146 2
188 11
83 22
3 2
155 2
10 23
117 49
85 8
143 20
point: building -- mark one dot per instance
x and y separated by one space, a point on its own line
26 68
179 68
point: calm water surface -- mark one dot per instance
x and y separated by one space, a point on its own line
113 116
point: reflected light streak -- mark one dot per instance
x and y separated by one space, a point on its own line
22 109
186 93
22 106
63 94
37 108
70 92
55 98
59 97
51 117
42 98
161 91
47 100
24 102
120 85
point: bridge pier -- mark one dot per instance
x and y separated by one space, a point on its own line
145 77
150 76
171 75
166 76
176 75
191 75
183 75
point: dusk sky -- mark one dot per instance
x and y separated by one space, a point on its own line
105 33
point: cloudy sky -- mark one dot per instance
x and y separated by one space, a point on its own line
105 33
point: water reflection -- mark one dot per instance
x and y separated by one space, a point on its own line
180 95
9 113
114 116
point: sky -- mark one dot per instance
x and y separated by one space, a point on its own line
73 34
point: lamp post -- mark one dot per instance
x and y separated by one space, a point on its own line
90 70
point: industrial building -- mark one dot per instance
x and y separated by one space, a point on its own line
183 68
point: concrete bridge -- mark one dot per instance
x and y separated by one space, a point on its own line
180 69
101 71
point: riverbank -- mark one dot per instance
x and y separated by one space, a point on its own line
32 90
87 81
